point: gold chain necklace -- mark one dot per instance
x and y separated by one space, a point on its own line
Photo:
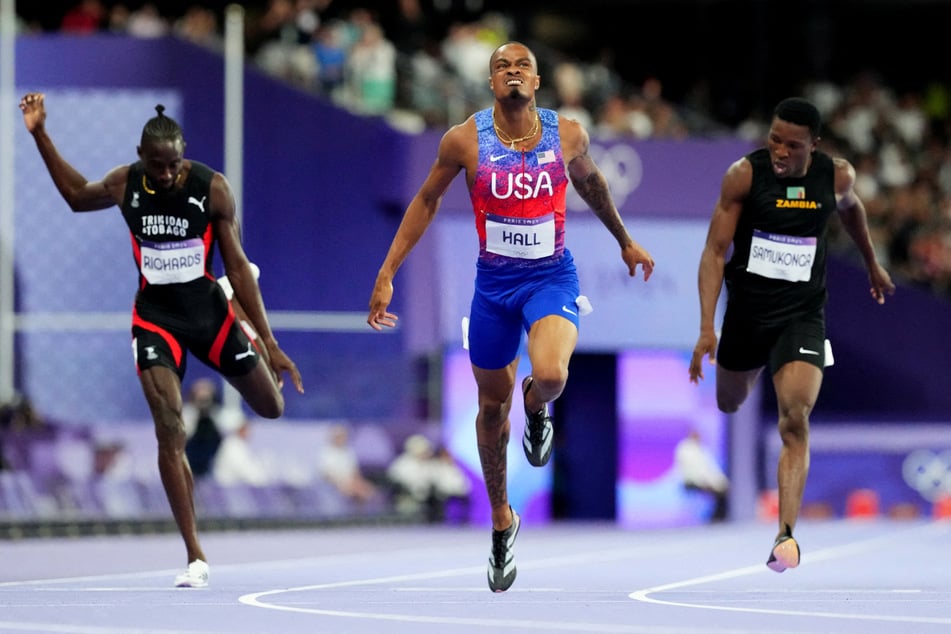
149 190
506 139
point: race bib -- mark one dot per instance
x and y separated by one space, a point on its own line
781 257
173 262
528 238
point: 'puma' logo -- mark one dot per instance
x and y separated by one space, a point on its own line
242 355
200 203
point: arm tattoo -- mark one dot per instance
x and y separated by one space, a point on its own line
593 189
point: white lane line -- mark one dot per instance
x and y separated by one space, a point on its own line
826 554
259 599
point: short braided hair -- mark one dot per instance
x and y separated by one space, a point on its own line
161 127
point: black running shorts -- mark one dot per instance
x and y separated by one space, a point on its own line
746 344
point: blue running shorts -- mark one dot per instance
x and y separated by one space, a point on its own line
508 300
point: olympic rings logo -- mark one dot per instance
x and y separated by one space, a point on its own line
928 472
621 166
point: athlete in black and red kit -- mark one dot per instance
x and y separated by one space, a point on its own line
177 210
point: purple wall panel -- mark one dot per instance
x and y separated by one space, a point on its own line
889 359
316 180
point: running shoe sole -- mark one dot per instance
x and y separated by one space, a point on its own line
785 554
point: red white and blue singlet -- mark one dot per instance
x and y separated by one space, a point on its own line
519 197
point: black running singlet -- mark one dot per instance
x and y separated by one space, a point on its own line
778 266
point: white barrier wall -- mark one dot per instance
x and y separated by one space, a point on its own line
628 313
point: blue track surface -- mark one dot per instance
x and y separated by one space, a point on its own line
856 576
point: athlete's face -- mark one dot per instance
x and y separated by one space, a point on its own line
163 160
513 72
790 148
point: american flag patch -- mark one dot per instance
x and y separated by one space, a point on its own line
795 193
548 156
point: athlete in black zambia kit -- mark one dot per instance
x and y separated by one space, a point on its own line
774 206
177 210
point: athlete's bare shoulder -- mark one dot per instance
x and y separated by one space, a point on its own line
460 144
574 138
115 181
737 181
844 178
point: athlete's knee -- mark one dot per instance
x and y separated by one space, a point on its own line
794 425
549 383
728 405
732 393
260 391
729 402
494 413
169 428
167 416
268 407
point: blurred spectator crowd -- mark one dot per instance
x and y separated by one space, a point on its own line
425 68
328 471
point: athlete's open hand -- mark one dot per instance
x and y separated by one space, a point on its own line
34 112
634 254
379 301
706 345
881 283
281 364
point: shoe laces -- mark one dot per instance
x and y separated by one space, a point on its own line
197 568
536 424
499 540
